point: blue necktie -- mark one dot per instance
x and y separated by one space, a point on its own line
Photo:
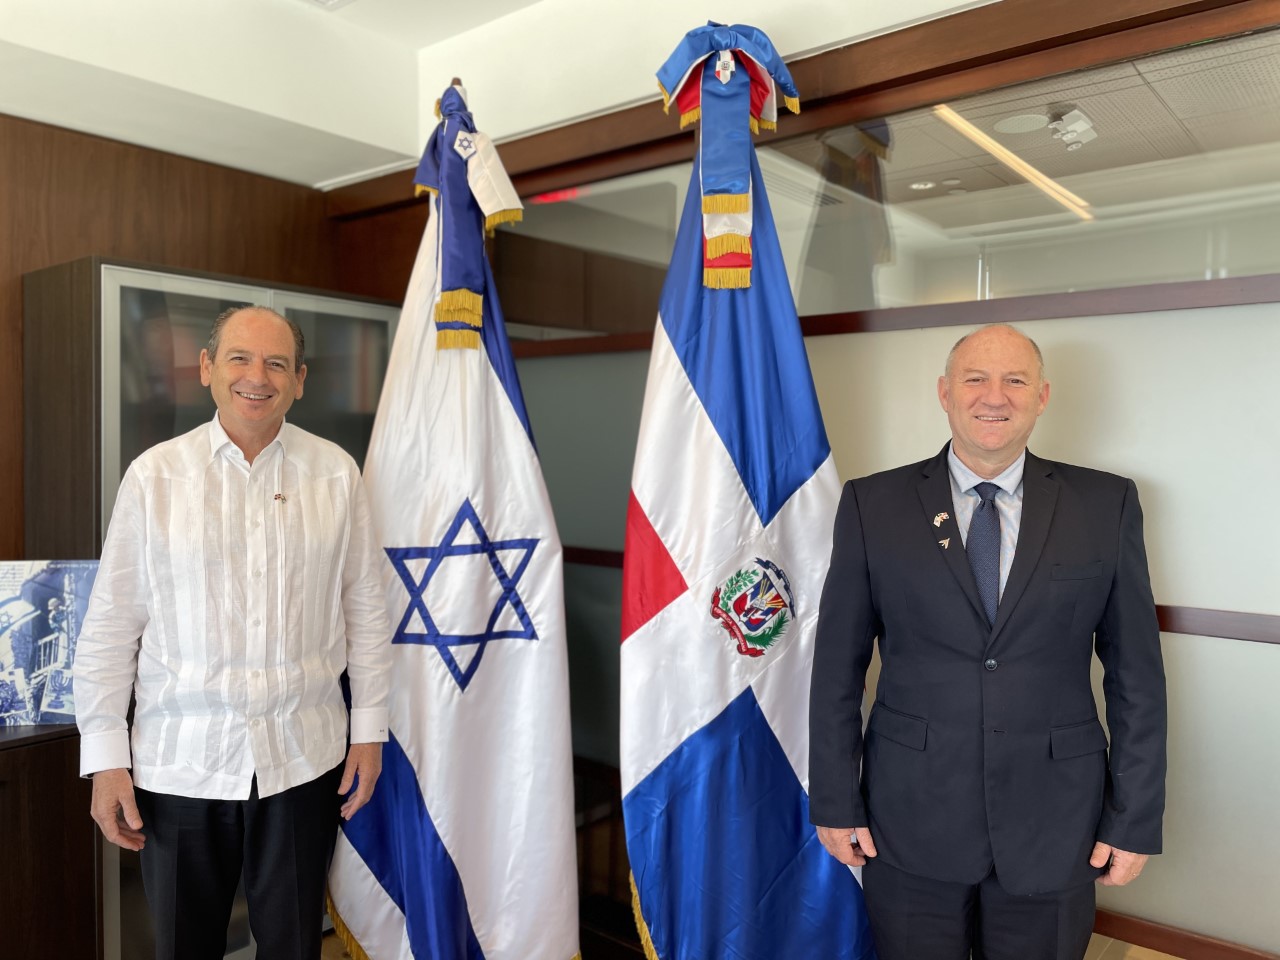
983 547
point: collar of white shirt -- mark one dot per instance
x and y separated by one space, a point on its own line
219 440
965 479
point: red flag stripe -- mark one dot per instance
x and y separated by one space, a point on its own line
650 578
728 260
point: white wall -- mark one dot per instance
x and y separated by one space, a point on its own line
562 60
271 57
269 86
1182 402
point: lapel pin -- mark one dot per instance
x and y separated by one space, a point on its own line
280 497
937 521
945 543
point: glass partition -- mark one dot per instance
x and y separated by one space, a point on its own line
1161 169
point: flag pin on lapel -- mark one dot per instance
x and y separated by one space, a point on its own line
945 543
937 521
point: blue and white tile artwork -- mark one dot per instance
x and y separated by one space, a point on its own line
42 604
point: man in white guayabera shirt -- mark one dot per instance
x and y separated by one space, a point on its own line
239 578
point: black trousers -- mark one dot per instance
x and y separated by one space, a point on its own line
196 850
915 918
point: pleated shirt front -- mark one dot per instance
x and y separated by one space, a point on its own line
230 598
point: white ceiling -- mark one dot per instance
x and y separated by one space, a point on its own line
418 23
278 87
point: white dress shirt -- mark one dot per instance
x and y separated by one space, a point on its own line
1008 502
252 587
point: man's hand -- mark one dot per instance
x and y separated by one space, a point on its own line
1122 866
364 763
849 845
115 810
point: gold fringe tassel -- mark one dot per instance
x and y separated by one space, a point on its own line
767 125
419 189
726 203
438 117
754 124
792 104
726 278
348 939
457 339
494 220
690 116
460 305
642 928
666 98
727 243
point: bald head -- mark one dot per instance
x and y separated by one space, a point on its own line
995 330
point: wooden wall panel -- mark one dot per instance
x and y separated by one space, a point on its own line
540 282
376 253
65 195
622 295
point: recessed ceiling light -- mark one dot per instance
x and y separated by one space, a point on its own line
1022 123
923 185
951 182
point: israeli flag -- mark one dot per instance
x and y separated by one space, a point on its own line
467 848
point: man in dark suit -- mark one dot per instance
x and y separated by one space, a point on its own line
989 803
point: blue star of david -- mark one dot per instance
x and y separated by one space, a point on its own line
435 556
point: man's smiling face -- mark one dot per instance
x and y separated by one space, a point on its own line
252 377
993 391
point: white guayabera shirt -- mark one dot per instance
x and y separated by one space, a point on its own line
252 587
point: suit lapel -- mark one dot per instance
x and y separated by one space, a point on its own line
935 497
1039 495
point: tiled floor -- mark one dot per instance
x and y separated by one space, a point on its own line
1100 948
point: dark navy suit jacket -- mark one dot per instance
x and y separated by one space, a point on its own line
984 746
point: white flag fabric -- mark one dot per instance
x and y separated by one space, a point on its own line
467 848
733 495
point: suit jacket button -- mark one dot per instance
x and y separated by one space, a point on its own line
991 664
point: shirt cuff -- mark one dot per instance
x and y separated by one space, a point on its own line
104 751
369 725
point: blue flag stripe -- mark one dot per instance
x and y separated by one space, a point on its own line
411 863
724 822
493 334
744 354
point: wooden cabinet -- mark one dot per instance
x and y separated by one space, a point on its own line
49 871
111 367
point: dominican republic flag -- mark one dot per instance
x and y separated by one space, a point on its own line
733 497
467 848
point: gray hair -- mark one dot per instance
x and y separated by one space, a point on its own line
996 326
215 334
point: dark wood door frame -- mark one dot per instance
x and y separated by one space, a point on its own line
991 46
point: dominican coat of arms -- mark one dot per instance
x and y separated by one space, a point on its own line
755 606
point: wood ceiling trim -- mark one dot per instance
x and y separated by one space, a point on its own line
980 49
